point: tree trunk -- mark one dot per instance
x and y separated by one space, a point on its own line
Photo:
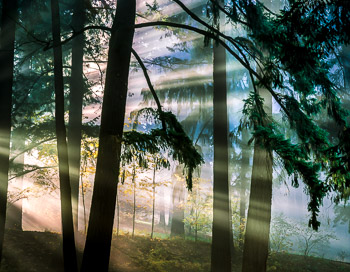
118 212
196 233
221 231
69 253
178 215
14 210
243 185
162 209
134 202
256 244
7 42
153 199
75 107
98 242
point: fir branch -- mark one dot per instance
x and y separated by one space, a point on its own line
296 162
150 86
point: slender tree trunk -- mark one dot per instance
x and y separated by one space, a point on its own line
243 185
256 244
98 242
196 227
69 253
221 232
84 208
162 209
118 211
134 202
83 198
75 107
196 233
7 46
153 199
177 221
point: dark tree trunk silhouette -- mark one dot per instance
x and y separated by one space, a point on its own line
221 231
75 107
256 243
7 44
69 253
98 241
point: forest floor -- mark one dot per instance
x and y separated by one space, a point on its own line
41 251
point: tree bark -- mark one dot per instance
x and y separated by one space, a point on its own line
7 46
178 214
243 185
98 242
162 209
256 244
118 212
153 199
221 231
75 107
14 210
69 253
134 202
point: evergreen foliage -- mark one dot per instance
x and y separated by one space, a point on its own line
171 138
292 52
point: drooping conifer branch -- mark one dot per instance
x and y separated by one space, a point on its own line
173 139
295 162
150 86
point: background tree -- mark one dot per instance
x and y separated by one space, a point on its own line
69 253
256 243
7 43
222 232
75 105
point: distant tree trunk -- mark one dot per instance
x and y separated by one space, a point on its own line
256 244
189 225
196 215
7 47
69 253
196 232
18 138
75 107
153 199
221 231
98 241
178 215
134 202
162 209
118 211
243 185
14 210
83 196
